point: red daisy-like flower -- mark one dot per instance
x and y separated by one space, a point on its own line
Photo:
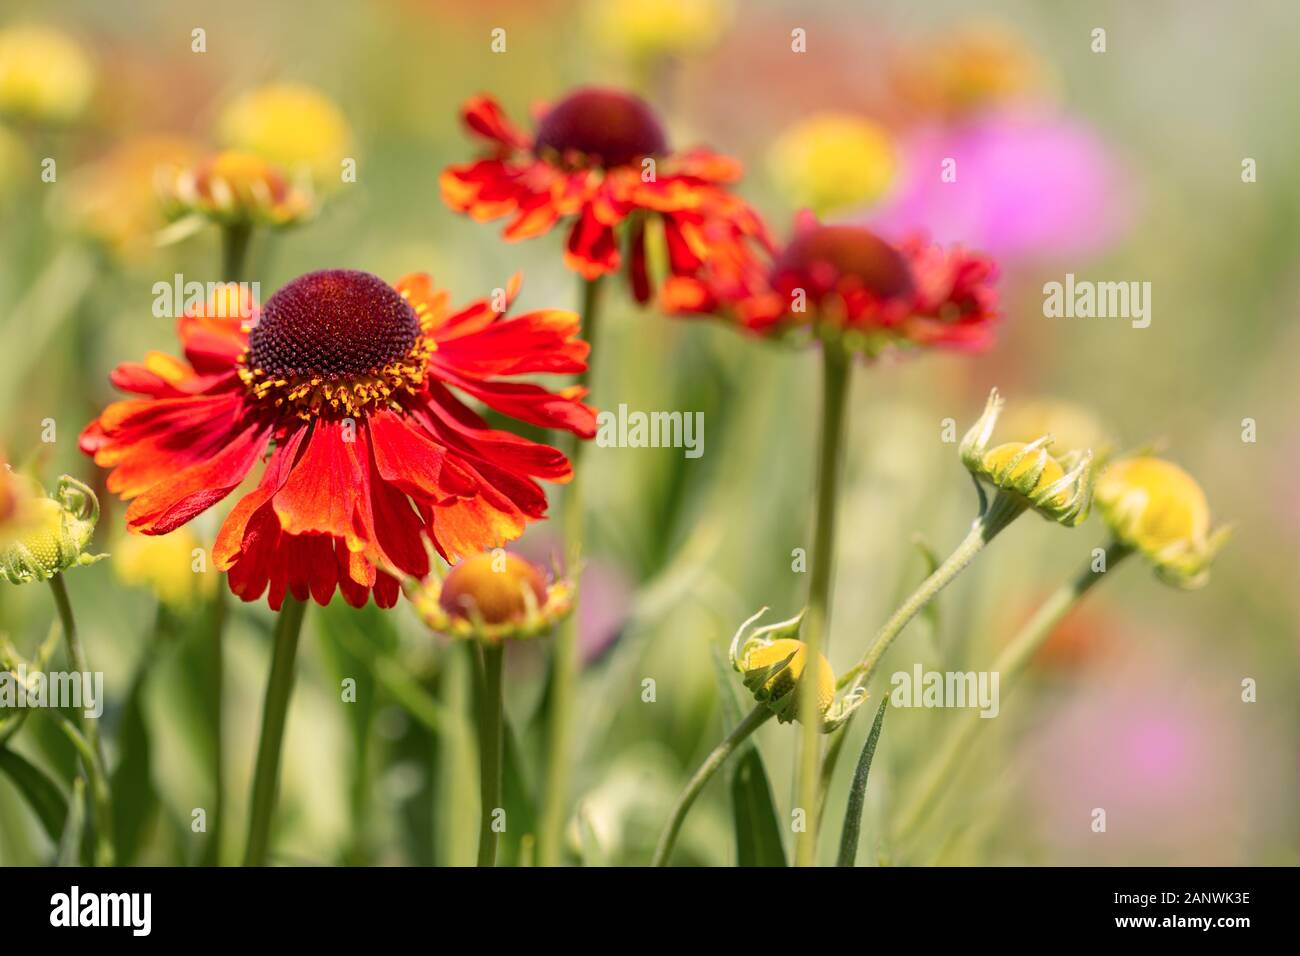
847 283
346 386
599 159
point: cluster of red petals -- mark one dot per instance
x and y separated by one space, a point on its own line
846 278
343 502
539 187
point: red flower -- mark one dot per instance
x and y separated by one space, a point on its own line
600 159
348 382
848 283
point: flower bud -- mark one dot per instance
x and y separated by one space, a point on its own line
236 188
493 596
773 663
1156 508
1059 489
53 534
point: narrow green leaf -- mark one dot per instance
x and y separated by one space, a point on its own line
758 832
40 792
858 793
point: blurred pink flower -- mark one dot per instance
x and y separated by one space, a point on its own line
1028 185
1160 750
605 593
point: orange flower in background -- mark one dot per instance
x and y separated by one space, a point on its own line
847 283
344 385
600 159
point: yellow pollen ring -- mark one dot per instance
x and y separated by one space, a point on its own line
311 396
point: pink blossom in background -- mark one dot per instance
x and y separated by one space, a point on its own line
1028 186
1162 751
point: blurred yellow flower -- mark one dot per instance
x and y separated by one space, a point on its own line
290 125
970 68
1155 507
44 75
117 200
13 163
832 162
647 29
166 565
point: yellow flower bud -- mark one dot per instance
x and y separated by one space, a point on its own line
44 76
831 162
239 188
773 664
492 596
290 125
794 655
1026 473
1156 508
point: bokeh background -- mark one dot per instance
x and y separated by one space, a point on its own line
1116 166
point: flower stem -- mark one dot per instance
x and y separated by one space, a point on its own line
489 750
564 667
1009 665
835 390
216 665
234 250
279 686
1003 510
92 756
755 719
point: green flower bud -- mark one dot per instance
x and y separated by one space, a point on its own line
54 534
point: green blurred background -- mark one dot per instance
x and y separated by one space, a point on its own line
1137 708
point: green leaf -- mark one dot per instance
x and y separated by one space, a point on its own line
135 801
858 793
40 792
758 833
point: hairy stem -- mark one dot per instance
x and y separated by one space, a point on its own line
92 757
1010 665
753 720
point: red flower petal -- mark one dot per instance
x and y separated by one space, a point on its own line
169 504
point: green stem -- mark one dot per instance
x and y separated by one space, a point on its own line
489 749
1009 665
816 630
94 762
96 776
234 250
1003 510
279 686
755 719
216 665
564 668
